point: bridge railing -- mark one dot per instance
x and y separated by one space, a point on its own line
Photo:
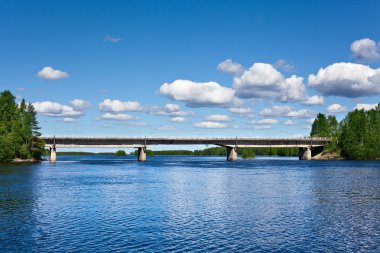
187 138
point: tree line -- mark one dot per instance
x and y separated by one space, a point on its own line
222 151
356 137
19 130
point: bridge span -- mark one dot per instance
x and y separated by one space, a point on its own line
308 146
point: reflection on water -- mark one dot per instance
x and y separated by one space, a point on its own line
196 204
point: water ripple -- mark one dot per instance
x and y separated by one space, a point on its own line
190 204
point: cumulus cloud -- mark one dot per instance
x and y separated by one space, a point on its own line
265 121
263 127
80 104
283 65
264 81
112 39
366 50
48 73
313 100
53 109
167 128
109 105
336 108
347 80
230 67
289 123
286 111
178 119
199 94
210 124
365 107
117 116
172 110
240 110
217 117
69 120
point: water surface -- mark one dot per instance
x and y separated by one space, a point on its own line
190 204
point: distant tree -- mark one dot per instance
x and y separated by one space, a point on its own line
248 153
120 153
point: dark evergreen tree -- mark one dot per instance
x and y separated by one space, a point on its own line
19 130
320 126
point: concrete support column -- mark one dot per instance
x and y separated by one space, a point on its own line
305 154
231 154
53 154
142 154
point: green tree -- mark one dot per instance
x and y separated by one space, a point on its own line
19 130
120 153
320 126
248 153
354 135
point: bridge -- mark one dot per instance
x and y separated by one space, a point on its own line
308 146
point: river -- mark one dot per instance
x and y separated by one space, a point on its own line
190 204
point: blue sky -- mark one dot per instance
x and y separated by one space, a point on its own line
190 68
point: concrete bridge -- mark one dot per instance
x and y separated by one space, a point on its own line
308 147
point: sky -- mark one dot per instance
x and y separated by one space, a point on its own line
190 68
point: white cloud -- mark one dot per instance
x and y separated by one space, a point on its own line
217 117
283 65
20 89
286 111
303 113
80 104
264 81
199 94
210 124
48 73
310 121
336 108
289 122
276 110
230 67
167 128
347 80
365 50
263 127
365 107
178 119
112 39
109 105
265 121
117 116
172 110
313 100
53 109
69 120
240 110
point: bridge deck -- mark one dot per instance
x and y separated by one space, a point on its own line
74 141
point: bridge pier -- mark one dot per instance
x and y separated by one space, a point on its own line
53 154
142 154
231 153
304 154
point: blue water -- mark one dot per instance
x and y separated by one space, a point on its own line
190 204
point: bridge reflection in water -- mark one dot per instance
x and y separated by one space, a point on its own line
308 146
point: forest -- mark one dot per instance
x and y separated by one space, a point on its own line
19 130
356 137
